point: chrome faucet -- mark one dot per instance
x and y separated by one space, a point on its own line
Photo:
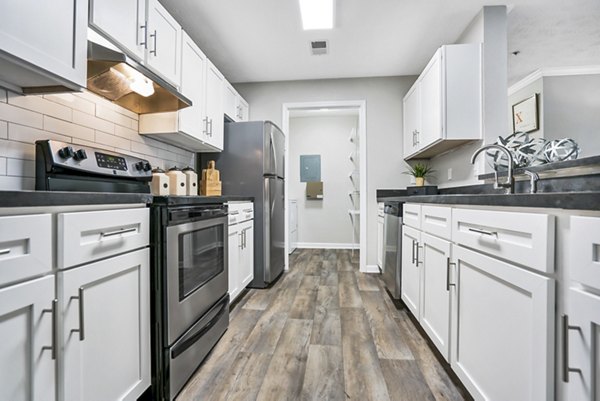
533 179
509 185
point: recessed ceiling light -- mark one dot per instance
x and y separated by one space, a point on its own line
317 14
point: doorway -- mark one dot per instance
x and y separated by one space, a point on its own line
355 176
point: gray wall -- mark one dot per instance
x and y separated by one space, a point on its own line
572 110
323 221
383 97
490 28
535 87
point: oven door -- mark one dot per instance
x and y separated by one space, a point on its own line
196 271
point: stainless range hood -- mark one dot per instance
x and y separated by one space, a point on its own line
114 75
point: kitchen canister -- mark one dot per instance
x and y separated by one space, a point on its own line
191 180
177 181
160 182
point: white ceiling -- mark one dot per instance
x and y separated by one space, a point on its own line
256 41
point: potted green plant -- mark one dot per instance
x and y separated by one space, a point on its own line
420 171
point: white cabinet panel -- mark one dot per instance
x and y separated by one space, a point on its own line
437 220
164 43
411 215
87 236
233 253
436 286
244 109
230 104
411 273
124 22
25 247
583 352
585 250
431 102
193 86
106 333
503 339
412 120
27 369
247 254
380 241
214 105
50 40
522 238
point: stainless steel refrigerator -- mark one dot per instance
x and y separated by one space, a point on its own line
252 164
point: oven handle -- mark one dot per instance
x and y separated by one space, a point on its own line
193 337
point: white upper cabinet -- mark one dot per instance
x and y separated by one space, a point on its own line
193 85
443 109
43 44
214 105
234 106
164 43
115 19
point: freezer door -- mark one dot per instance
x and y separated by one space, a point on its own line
274 241
274 147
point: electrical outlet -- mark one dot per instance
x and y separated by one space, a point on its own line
450 174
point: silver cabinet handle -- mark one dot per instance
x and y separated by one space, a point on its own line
4 251
413 251
245 238
211 127
233 212
113 233
484 232
241 245
565 337
448 264
54 328
154 35
80 330
417 255
145 42
205 121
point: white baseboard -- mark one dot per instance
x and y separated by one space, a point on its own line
318 245
370 269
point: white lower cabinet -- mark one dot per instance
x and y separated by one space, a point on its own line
380 234
27 349
435 288
411 275
503 336
241 248
105 309
580 370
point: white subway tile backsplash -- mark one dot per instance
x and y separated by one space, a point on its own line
109 114
17 150
70 129
18 115
73 102
17 183
80 118
20 168
41 105
3 130
25 134
94 122
112 140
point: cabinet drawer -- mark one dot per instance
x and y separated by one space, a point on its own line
437 220
523 238
240 212
25 247
585 250
87 236
411 215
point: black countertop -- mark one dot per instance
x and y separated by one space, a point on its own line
60 198
557 200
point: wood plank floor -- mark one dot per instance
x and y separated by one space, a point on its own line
323 332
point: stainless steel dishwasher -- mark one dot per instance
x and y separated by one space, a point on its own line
392 258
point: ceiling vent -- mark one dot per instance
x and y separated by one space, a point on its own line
319 47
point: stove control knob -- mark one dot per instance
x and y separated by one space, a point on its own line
139 165
147 166
66 152
80 155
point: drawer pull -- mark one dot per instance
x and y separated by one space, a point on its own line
113 233
80 330
4 251
565 337
484 232
54 328
234 212
448 284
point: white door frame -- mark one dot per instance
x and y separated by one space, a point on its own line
361 105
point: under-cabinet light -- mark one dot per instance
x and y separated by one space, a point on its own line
317 14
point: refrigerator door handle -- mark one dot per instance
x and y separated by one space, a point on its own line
274 152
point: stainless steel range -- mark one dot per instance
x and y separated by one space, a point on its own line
191 310
190 304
